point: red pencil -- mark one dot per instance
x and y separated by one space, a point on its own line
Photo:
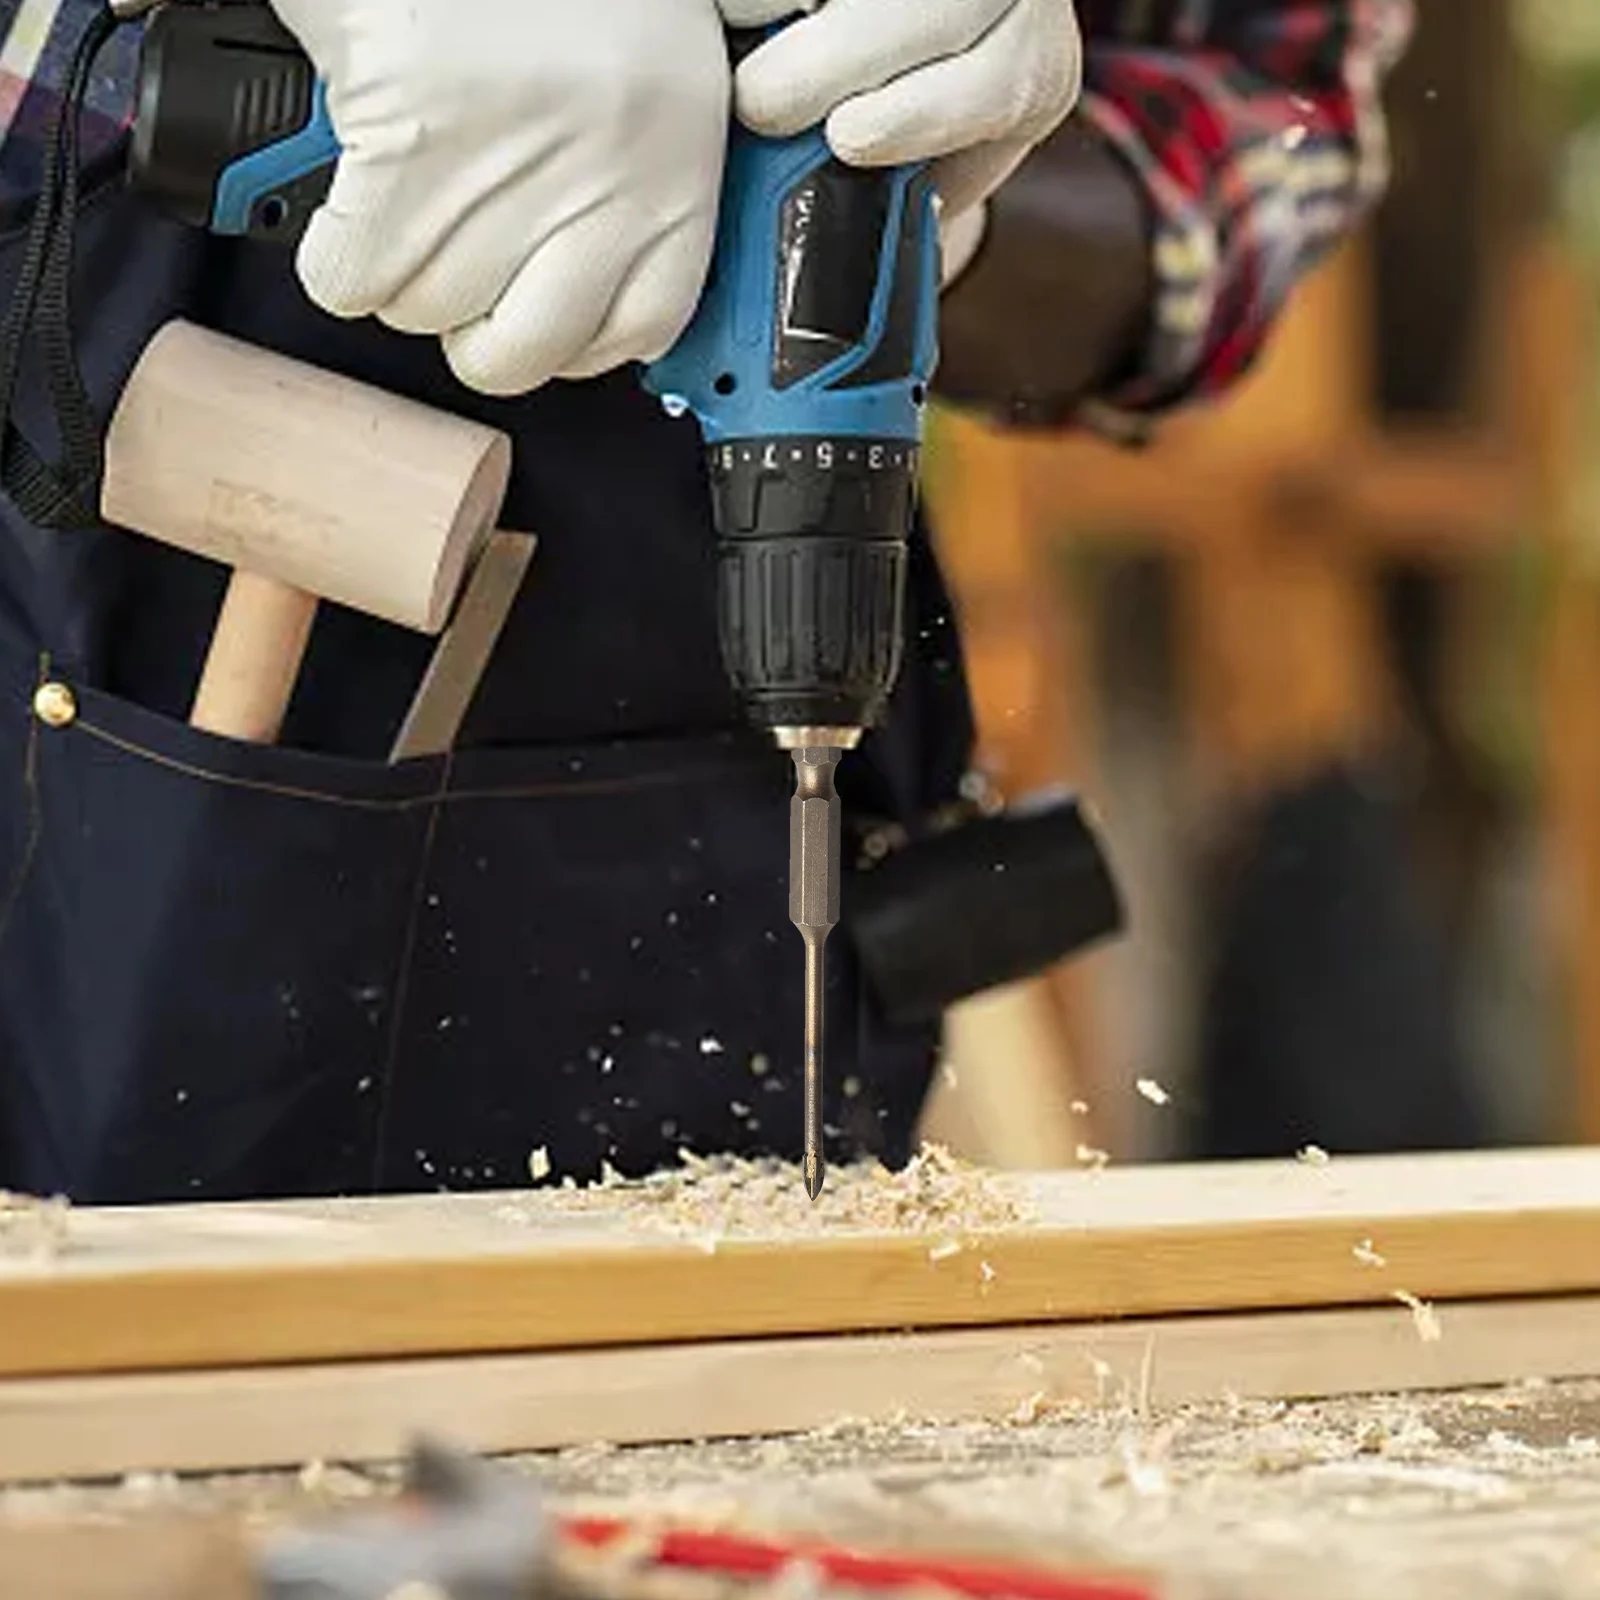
740 1556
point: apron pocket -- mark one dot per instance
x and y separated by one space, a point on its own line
604 971
200 957
231 971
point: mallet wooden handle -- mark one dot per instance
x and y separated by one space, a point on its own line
254 660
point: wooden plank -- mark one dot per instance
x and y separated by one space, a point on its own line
243 1285
169 1558
102 1427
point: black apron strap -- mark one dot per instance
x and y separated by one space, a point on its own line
64 493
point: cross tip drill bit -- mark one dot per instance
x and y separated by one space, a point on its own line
814 849
814 1173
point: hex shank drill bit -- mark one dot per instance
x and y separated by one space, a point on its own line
814 840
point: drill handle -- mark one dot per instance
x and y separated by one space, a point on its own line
232 132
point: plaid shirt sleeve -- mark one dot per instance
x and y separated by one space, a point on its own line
37 39
1254 126
1256 129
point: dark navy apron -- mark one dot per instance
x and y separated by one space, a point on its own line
235 971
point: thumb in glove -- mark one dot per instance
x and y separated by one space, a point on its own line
971 85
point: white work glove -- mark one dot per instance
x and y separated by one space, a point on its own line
974 84
535 181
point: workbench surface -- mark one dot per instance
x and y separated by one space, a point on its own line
1490 1495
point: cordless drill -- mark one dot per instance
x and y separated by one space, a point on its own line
806 367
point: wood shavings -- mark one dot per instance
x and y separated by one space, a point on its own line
32 1228
1312 1155
1368 1257
333 1484
1423 1316
1140 1471
1497 1443
1104 1378
1388 1437
1152 1091
1091 1157
539 1164
725 1197
1028 1411
1147 1374
418 1589
796 1579
148 1488
1449 1481
1251 1500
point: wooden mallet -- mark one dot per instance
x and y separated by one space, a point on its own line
311 487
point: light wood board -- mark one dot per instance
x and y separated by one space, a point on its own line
287 1416
160 1558
231 1286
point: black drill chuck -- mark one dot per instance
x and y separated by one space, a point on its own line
812 575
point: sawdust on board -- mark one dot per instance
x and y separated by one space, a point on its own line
1492 1494
715 1196
33 1228
1423 1316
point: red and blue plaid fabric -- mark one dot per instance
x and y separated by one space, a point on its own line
1257 129
36 42
1254 125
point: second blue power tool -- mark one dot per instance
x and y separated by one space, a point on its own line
806 366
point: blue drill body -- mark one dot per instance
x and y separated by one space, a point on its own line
248 186
732 333
733 329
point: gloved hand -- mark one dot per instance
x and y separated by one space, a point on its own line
534 180
976 83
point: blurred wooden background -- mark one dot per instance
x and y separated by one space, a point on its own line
1424 406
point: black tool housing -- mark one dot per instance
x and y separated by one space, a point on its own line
981 904
220 80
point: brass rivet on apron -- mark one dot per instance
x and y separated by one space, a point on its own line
55 705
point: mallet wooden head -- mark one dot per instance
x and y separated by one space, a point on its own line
311 487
